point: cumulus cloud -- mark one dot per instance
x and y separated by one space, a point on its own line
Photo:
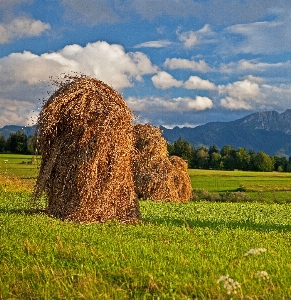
241 95
235 104
108 62
278 96
180 104
16 112
196 83
180 63
192 38
154 44
163 80
24 76
21 27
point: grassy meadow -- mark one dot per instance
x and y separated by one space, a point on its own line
195 250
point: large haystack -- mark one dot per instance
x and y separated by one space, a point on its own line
86 137
156 176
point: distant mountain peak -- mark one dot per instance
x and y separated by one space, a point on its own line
268 131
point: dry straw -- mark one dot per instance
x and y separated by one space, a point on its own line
157 176
86 136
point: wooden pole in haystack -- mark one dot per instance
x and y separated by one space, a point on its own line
157 176
86 136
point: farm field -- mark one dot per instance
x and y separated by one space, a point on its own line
178 251
261 186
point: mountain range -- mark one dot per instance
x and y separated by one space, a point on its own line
264 131
268 131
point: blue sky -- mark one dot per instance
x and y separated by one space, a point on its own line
176 62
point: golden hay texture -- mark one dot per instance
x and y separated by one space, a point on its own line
86 135
181 178
158 177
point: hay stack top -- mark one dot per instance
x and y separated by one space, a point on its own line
80 104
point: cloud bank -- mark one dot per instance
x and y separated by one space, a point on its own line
25 75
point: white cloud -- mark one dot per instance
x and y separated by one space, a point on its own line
180 63
24 76
278 96
201 103
180 104
241 66
163 80
106 62
196 83
241 95
253 66
235 104
192 38
154 44
16 112
263 37
254 79
21 27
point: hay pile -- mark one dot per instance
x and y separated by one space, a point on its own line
157 176
181 178
86 136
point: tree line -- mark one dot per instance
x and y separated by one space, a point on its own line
228 158
17 143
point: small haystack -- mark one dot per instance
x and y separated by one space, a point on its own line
86 136
156 176
181 178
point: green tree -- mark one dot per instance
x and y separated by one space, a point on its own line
227 151
212 149
31 144
228 157
242 159
280 163
263 162
171 149
17 143
2 143
288 168
228 163
202 158
183 149
215 162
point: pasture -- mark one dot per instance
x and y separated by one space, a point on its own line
194 250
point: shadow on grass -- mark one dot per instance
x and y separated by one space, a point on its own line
23 211
168 221
218 225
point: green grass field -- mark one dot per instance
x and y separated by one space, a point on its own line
178 251
261 186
